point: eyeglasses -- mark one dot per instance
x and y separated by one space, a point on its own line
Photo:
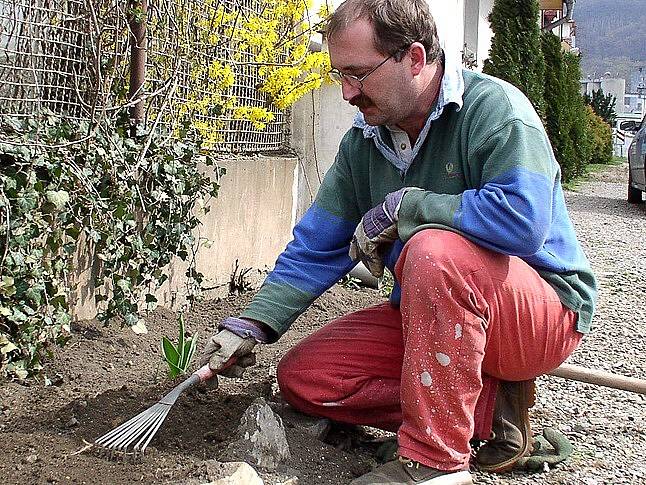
356 81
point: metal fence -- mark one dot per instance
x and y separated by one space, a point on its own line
72 57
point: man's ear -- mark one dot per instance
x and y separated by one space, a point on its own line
417 54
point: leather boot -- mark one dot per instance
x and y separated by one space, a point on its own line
511 432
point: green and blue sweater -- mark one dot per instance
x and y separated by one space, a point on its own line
487 171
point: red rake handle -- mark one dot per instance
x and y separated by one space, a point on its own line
205 372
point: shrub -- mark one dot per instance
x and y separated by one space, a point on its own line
515 53
600 136
575 116
565 118
603 104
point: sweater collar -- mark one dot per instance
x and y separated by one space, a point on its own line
451 92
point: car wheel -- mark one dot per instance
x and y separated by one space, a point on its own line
634 195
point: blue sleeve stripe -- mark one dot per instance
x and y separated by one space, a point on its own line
317 257
509 214
561 253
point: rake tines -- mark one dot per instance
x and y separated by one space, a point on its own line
136 432
132 437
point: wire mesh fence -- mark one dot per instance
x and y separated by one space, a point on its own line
72 57
42 57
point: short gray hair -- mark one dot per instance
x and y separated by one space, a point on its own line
397 24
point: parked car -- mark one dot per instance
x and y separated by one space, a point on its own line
636 160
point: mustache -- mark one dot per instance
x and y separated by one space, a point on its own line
361 101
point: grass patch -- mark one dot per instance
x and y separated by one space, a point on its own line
590 169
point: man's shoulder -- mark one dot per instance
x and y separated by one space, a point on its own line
480 83
497 97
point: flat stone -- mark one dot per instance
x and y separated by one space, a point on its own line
291 481
232 473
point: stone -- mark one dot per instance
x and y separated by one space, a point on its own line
72 422
291 481
232 473
31 459
260 438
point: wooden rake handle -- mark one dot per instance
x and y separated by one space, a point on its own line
600 378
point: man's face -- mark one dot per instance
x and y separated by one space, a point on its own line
387 95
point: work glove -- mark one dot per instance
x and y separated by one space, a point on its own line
377 228
551 448
230 351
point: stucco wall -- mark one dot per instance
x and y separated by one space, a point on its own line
250 221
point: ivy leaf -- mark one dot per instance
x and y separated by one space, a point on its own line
58 198
35 295
7 346
124 284
7 287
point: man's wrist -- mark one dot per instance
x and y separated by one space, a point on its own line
245 328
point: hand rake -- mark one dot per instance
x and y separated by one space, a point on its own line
133 436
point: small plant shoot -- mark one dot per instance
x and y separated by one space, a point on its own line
179 357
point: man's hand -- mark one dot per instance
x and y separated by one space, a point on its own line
377 227
224 346
235 341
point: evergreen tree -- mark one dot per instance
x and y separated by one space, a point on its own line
575 112
554 95
565 119
603 105
515 54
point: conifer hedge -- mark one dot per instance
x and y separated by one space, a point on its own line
549 77
515 54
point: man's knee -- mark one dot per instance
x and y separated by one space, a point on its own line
300 376
287 371
429 247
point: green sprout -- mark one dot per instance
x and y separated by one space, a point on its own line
178 358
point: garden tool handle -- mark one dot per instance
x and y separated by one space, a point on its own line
205 372
600 378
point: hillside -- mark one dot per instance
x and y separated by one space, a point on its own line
611 35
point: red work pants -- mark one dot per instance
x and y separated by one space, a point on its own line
429 370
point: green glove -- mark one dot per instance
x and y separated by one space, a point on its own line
551 448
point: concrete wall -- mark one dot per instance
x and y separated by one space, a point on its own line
250 221
319 121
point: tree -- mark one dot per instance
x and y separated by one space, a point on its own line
576 117
515 53
565 119
603 105
555 102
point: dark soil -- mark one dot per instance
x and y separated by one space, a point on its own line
106 375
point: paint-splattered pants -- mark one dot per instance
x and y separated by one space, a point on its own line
429 370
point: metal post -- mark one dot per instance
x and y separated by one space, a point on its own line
137 12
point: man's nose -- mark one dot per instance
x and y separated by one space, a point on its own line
349 91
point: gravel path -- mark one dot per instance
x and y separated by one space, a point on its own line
607 427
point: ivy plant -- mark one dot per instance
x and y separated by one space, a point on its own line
132 200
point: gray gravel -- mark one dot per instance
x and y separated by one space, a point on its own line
607 427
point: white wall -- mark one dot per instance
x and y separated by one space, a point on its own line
449 18
485 34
